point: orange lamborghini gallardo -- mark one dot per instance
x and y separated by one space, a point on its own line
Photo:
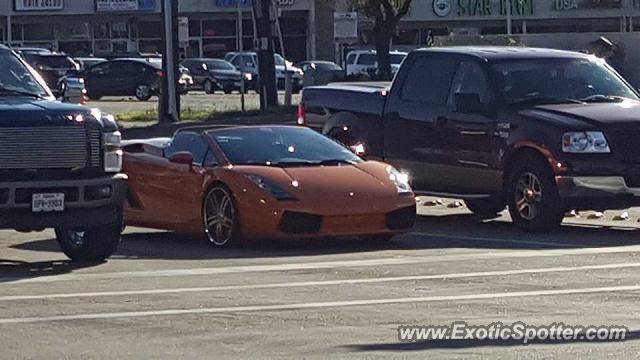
262 182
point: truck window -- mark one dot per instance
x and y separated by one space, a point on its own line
471 79
351 58
367 59
429 80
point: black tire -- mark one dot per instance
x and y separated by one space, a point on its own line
532 195
93 244
94 96
380 239
143 92
488 207
220 217
228 91
209 87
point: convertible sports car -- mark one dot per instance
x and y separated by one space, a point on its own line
262 182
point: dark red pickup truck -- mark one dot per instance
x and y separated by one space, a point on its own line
540 131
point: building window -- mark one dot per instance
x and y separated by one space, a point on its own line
573 26
73 31
38 32
150 46
195 28
101 31
150 29
215 28
119 30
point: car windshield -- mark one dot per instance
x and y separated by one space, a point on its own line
557 80
396 59
281 146
17 78
50 61
327 66
219 65
278 59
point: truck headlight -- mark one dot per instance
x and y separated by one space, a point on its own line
400 180
579 142
111 142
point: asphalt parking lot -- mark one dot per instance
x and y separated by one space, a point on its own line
168 296
195 100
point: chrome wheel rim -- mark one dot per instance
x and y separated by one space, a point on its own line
76 238
528 196
219 216
142 91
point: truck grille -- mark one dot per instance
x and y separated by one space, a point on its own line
624 143
47 148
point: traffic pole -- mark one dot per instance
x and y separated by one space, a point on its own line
169 104
264 47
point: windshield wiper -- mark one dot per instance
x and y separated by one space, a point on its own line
603 98
546 100
20 92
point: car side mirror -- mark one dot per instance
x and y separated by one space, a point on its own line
468 103
182 157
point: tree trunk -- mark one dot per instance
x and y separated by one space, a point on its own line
383 38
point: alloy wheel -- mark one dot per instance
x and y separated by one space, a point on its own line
528 196
219 216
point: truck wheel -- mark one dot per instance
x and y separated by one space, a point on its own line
532 195
486 208
90 245
208 87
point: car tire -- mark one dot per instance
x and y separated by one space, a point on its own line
379 239
94 244
532 195
220 217
143 92
209 88
487 207
93 96
228 91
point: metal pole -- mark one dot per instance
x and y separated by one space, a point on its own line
241 49
9 33
169 100
288 77
509 17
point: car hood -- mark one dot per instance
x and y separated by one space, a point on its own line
355 184
226 73
594 114
31 112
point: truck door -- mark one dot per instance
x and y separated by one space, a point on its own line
469 130
416 107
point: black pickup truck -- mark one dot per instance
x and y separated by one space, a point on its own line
542 131
59 166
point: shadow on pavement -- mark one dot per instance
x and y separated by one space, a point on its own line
12 270
431 232
469 344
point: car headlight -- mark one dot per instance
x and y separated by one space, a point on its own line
111 142
273 189
400 180
585 142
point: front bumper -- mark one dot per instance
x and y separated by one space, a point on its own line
597 192
82 208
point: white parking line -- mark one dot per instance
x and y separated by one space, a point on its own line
322 283
391 261
501 241
317 305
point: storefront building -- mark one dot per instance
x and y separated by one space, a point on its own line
111 27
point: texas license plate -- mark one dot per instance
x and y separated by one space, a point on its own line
47 202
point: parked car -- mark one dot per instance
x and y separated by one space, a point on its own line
542 131
185 80
123 77
320 72
263 182
247 63
87 62
52 67
216 74
364 63
60 166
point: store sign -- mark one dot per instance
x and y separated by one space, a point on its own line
564 5
345 25
125 5
493 7
35 5
183 31
232 3
442 8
